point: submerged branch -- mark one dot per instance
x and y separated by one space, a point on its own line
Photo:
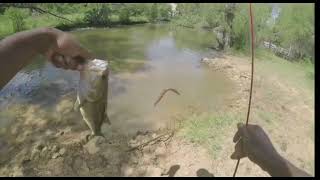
163 92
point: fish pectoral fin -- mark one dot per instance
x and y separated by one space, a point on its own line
77 105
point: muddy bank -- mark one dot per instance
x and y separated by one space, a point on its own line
52 142
236 70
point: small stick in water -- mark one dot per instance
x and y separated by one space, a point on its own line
163 92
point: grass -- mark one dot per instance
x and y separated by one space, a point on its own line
208 129
299 74
268 117
296 74
5 26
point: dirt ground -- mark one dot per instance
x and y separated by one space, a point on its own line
36 145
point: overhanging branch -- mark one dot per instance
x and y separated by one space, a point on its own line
27 6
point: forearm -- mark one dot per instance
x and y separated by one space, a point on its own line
18 50
295 171
280 167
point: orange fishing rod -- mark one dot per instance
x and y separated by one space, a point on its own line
251 84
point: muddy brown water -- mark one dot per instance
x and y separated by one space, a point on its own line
144 60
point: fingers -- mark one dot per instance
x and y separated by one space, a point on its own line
238 152
236 137
240 138
68 45
69 54
65 62
80 67
85 54
241 132
80 61
71 64
57 60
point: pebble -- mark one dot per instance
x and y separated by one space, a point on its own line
55 155
91 146
154 135
62 151
54 148
39 146
48 132
44 149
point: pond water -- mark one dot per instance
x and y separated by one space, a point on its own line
144 60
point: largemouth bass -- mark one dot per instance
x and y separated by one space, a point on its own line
92 97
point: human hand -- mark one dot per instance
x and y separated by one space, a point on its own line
67 53
252 142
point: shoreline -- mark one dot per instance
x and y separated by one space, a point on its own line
238 71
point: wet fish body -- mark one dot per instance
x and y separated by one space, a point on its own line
92 97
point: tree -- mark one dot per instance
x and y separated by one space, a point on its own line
164 11
99 14
153 12
263 27
137 9
213 14
124 14
240 30
296 30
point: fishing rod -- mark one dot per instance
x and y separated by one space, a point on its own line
251 84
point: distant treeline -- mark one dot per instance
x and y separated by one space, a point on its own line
287 25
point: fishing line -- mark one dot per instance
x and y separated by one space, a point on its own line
251 85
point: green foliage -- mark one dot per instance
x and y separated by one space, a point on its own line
308 65
241 26
63 8
212 19
187 21
228 21
208 129
240 33
99 15
17 17
296 28
188 9
217 17
187 15
212 15
153 12
164 11
124 14
137 9
2 10
262 22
